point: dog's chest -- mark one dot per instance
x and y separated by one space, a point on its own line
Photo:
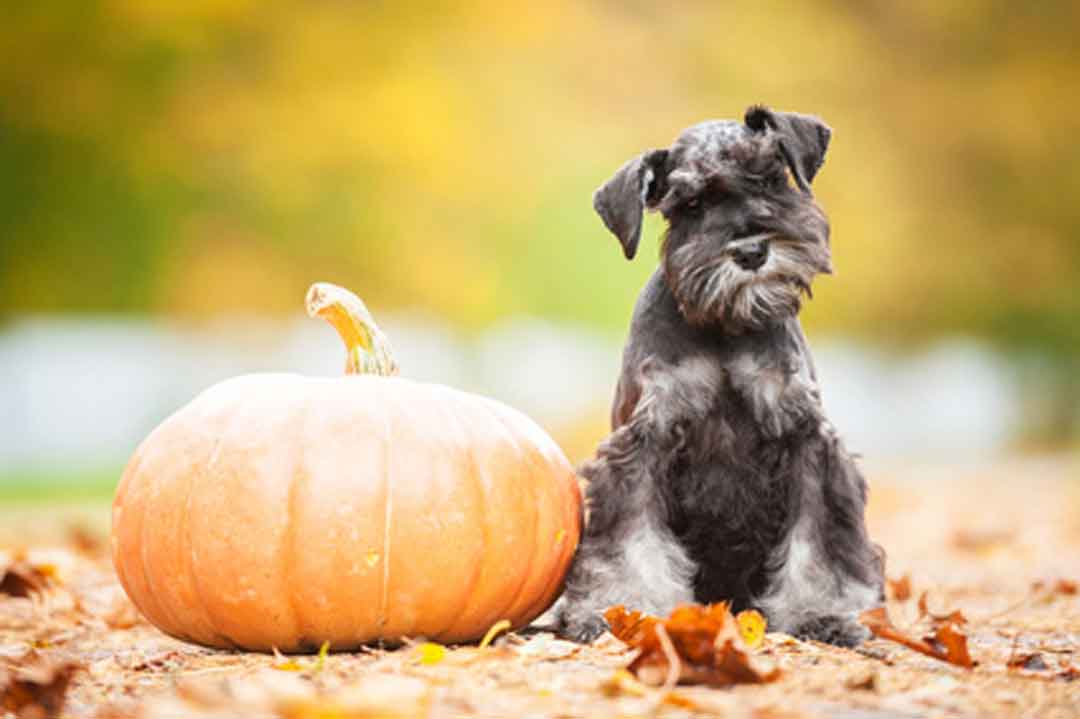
736 490
730 521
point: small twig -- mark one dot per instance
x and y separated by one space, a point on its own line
1039 591
1056 650
674 665
1008 610
876 654
1012 650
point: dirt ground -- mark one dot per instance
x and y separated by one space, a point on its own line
1000 543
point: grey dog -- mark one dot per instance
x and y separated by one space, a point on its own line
722 478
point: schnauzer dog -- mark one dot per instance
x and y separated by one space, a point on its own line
722 478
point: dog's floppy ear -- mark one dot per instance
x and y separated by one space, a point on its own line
803 140
621 200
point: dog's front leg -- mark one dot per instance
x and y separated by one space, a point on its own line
827 571
647 570
629 554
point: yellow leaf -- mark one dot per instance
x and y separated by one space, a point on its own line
372 558
284 664
751 627
47 570
624 681
431 653
560 535
320 661
500 626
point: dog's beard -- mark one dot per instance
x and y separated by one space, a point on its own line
712 288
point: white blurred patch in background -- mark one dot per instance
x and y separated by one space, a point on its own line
87 391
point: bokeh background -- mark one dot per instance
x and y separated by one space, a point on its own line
173 176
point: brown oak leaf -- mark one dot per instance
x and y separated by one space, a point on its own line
20 578
1029 661
948 643
956 616
899 589
1064 587
36 687
707 645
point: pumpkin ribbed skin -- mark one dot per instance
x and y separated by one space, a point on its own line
282 511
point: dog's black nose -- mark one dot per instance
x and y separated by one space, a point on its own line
751 255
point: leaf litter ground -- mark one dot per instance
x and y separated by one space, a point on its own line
983 620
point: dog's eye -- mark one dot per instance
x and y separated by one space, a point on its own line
763 182
770 182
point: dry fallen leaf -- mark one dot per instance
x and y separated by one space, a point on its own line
36 687
285 664
899 589
1034 664
630 626
1064 587
751 627
695 645
948 643
1031 661
981 541
20 578
121 614
864 681
430 653
956 616
85 541
954 641
290 664
164 661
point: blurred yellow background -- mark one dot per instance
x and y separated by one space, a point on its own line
170 171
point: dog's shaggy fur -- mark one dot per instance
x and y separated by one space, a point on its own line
722 479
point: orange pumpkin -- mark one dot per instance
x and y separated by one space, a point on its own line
283 511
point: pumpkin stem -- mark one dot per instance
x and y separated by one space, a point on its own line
368 350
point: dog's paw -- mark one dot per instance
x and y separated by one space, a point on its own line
584 631
832 629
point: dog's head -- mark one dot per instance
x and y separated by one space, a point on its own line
745 237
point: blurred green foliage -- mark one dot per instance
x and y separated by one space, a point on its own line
187 158
72 483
